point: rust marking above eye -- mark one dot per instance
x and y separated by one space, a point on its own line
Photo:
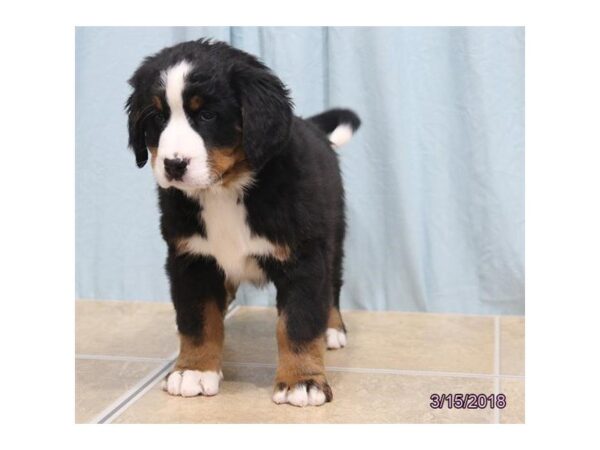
157 103
281 252
195 103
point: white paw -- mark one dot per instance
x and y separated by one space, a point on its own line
335 338
299 395
189 383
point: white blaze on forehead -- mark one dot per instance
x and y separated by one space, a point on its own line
174 82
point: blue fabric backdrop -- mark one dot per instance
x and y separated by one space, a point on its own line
434 179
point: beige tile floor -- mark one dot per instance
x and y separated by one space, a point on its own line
392 364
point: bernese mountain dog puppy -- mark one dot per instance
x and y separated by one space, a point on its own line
248 192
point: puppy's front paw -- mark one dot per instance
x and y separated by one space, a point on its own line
335 338
307 393
189 383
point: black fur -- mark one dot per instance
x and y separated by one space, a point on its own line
329 120
266 112
297 199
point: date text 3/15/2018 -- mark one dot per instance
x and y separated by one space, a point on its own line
467 401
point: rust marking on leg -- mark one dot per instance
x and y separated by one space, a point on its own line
230 289
204 352
335 319
300 363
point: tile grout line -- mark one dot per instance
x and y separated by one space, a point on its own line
496 366
407 372
119 406
127 358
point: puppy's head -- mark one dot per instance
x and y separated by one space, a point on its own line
207 114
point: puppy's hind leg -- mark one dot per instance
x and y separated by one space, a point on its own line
336 330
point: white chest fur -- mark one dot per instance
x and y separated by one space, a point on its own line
228 236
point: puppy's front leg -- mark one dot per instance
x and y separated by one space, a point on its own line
303 299
300 378
198 292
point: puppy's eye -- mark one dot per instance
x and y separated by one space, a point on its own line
206 115
159 118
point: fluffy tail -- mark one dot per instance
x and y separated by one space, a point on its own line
339 124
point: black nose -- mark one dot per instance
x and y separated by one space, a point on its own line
175 168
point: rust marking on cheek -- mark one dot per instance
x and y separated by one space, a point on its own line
157 103
153 154
181 245
223 159
195 103
228 163
203 352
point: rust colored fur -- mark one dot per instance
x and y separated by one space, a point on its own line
196 103
228 163
335 319
300 363
204 353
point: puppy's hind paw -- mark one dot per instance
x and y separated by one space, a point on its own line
335 338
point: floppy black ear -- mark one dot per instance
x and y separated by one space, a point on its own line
266 113
135 125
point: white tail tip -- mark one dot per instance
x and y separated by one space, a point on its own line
341 135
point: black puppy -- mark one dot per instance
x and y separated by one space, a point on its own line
247 192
